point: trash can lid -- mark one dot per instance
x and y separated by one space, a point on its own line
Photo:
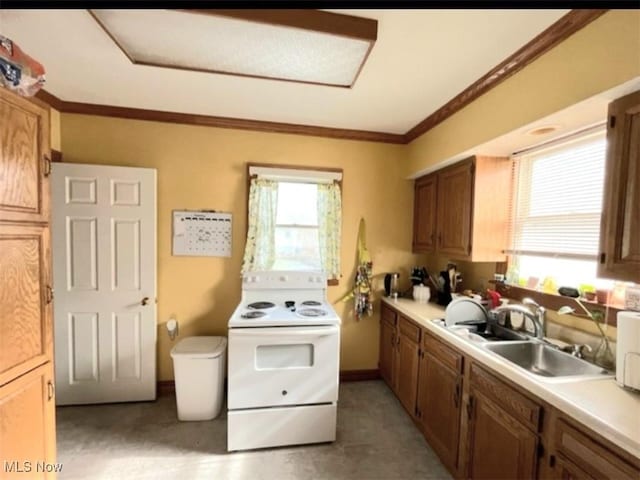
199 347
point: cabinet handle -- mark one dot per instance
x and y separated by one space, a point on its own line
456 395
470 408
440 239
51 390
47 165
393 339
552 460
48 294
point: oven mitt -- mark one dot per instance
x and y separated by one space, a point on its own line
361 293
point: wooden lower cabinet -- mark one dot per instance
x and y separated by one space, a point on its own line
579 455
499 446
482 425
408 363
439 398
388 349
27 425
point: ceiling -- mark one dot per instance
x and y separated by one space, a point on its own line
421 60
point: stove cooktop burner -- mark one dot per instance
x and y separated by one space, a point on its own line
261 305
253 314
312 312
311 303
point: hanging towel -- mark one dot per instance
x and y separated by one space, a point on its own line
361 293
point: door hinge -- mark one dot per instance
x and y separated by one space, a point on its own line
603 257
47 165
612 121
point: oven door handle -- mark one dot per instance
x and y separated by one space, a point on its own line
285 332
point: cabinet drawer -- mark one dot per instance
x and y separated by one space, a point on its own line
447 355
388 315
512 401
592 457
409 329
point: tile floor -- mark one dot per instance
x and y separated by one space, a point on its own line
375 440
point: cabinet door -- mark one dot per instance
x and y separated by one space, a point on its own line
455 194
500 447
566 470
620 230
407 382
27 424
25 295
424 213
439 396
24 157
387 352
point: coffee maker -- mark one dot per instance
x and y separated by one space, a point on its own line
391 284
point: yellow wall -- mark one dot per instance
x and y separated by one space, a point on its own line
604 54
203 167
54 129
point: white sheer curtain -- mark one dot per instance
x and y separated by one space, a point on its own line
329 227
260 249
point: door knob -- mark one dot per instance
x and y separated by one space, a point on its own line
144 301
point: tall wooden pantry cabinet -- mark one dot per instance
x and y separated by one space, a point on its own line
27 405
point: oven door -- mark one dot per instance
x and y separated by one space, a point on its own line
271 367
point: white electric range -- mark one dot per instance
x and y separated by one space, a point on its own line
284 351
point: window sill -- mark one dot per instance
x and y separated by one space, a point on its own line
554 302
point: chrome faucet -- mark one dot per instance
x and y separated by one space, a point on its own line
521 309
539 312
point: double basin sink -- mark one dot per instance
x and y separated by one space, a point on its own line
531 354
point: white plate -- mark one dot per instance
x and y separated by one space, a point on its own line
464 309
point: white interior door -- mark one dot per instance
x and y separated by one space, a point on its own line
104 276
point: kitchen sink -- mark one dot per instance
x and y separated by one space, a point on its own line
544 360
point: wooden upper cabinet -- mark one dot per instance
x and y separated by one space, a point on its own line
27 424
24 159
455 197
620 229
424 214
26 339
471 212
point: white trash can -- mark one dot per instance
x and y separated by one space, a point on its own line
199 367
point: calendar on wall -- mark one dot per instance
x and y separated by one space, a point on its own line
201 233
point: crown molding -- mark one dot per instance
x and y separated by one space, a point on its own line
218 122
552 36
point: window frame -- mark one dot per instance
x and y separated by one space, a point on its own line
331 281
551 301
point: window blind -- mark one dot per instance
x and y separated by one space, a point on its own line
558 199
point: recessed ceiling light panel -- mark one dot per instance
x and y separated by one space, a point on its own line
306 46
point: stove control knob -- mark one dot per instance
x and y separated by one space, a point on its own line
283 278
284 392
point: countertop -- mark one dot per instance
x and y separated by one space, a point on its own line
599 404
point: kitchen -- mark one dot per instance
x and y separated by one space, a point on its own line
205 167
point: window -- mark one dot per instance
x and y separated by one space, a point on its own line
294 220
555 227
297 243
